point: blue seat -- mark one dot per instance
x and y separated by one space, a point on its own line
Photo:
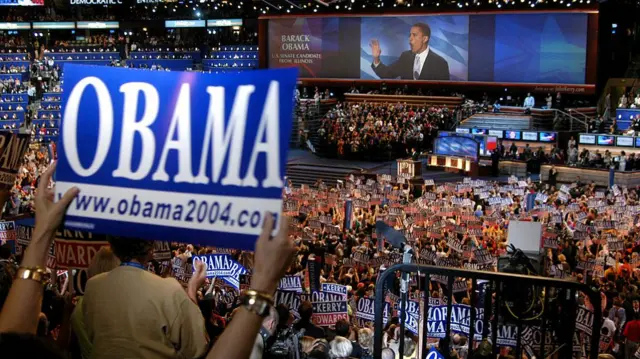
151 55
14 97
8 64
241 63
83 56
19 115
13 57
177 64
56 113
9 124
11 76
12 106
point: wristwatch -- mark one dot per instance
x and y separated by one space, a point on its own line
256 302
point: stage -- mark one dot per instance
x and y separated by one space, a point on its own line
601 177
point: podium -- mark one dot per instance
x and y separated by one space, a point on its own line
410 170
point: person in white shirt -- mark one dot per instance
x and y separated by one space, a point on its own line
529 101
623 101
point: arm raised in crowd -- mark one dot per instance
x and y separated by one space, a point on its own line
272 259
21 311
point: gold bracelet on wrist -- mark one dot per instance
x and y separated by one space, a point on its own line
33 273
261 295
257 302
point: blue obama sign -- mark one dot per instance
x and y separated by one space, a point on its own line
174 155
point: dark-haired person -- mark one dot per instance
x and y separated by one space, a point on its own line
419 63
131 312
343 329
310 329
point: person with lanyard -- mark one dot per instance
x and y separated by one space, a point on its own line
132 312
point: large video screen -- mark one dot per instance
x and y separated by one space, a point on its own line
520 48
456 146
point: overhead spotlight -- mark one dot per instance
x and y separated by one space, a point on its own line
288 11
363 6
533 5
438 4
315 10
198 14
499 6
422 4
568 4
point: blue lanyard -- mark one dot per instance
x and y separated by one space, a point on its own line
131 264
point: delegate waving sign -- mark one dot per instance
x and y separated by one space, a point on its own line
155 152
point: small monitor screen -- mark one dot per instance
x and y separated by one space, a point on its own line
512 135
497 133
548 136
462 130
479 131
606 140
587 139
638 142
530 136
624 141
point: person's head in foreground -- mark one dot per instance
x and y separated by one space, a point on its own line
130 250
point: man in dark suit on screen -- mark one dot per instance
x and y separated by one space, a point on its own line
420 63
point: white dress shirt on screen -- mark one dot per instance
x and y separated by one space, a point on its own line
418 63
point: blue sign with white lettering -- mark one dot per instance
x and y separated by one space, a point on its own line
290 283
168 155
434 354
221 266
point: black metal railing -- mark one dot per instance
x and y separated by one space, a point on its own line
557 323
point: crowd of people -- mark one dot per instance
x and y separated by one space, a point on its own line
590 235
381 130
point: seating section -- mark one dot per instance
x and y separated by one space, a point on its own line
231 59
300 173
7 56
83 58
173 60
46 123
13 76
498 122
450 102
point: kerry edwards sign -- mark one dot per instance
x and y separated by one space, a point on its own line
326 314
160 153
76 249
